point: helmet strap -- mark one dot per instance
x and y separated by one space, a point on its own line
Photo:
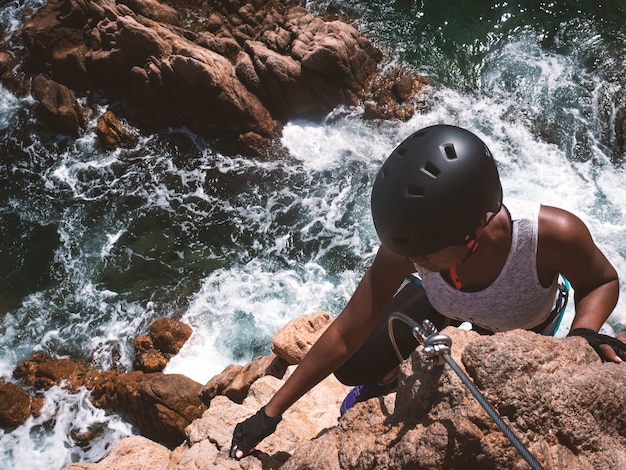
472 246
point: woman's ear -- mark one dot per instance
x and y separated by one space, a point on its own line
484 221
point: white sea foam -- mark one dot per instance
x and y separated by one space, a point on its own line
48 442
238 309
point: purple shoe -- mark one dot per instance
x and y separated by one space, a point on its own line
365 392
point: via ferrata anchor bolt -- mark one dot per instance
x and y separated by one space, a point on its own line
435 344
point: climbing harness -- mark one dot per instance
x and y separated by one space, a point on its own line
436 351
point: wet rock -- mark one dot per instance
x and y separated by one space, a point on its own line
161 405
398 94
15 404
164 340
59 105
169 336
150 360
112 134
43 371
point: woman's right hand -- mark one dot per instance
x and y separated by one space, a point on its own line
251 431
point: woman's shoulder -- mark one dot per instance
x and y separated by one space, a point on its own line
560 225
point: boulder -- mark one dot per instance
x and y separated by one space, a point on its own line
15 405
294 340
234 381
133 452
289 344
112 134
163 341
555 395
161 405
59 104
43 371
311 416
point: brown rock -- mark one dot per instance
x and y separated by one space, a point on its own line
294 340
168 335
150 360
14 405
135 452
396 95
164 406
44 371
5 62
112 134
562 402
235 381
157 11
59 105
216 385
555 394
161 405
164 340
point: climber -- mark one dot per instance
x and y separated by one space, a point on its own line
438 210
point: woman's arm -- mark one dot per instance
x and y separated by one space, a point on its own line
348 331
565 246
340 340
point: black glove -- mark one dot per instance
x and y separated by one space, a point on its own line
253 430
596 339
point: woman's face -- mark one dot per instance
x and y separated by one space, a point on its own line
441 260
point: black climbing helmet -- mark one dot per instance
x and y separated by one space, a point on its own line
433 190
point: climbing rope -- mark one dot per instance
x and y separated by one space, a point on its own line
437 351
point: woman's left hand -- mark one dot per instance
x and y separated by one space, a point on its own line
607 347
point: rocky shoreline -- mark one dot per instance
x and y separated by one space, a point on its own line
231 71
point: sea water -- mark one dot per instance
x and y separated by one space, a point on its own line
98 244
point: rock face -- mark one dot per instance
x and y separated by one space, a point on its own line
220 67
554 393
564 404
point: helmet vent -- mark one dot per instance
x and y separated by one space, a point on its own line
431 170
413 190
449 151
401 151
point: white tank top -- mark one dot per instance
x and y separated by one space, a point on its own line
516 299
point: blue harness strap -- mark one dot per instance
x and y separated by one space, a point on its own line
556 315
